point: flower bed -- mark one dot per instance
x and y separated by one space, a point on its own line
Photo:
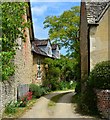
23 101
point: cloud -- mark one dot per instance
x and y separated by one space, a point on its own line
39 10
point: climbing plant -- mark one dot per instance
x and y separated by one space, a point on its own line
13 27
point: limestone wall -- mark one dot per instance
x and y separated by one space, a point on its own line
8 92
103 102
24 61
99 42
35 69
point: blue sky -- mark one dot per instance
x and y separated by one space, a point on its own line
42 9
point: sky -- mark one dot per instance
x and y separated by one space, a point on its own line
41 9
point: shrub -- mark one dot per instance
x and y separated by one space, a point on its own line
78 87
100 76
37 91
88 101
51 79
23 101
10 108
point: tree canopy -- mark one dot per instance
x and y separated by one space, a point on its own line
64 29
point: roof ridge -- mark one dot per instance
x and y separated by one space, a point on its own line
95 10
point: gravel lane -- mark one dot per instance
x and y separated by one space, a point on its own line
63 108
39 110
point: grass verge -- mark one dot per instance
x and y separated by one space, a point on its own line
55 99
20 110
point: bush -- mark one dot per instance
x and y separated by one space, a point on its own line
100 76
24 100
37 91
88 102
78 87
10 108
51 79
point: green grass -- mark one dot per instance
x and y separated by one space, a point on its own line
55 99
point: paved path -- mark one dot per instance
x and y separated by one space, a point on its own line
63 108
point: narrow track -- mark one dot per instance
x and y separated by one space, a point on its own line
63 108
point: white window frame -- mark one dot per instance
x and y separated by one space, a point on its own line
39 73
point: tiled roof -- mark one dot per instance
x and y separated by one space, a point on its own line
95 10
42 42
36 47
54 46
37 50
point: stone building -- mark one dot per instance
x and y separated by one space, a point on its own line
42 49
18 84
94 34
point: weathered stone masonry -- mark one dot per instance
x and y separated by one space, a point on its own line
103 102
7 93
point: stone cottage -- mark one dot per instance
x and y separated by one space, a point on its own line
42 49
94 34
18 84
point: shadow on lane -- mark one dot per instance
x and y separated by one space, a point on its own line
57 96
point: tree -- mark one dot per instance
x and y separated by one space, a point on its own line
64 30
13 25
59 70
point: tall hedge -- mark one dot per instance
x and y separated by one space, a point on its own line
100 76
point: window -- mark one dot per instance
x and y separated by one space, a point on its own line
39 69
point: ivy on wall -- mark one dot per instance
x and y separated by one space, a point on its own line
13 27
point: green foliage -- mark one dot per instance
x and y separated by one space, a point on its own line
100 76
59 74
37 91
78 87
52 74
7 64
13 25
10 108
64 30
88 102
64 85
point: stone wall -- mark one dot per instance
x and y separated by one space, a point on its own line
23 62
23 72
99 41
35 59
103 102
8 92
